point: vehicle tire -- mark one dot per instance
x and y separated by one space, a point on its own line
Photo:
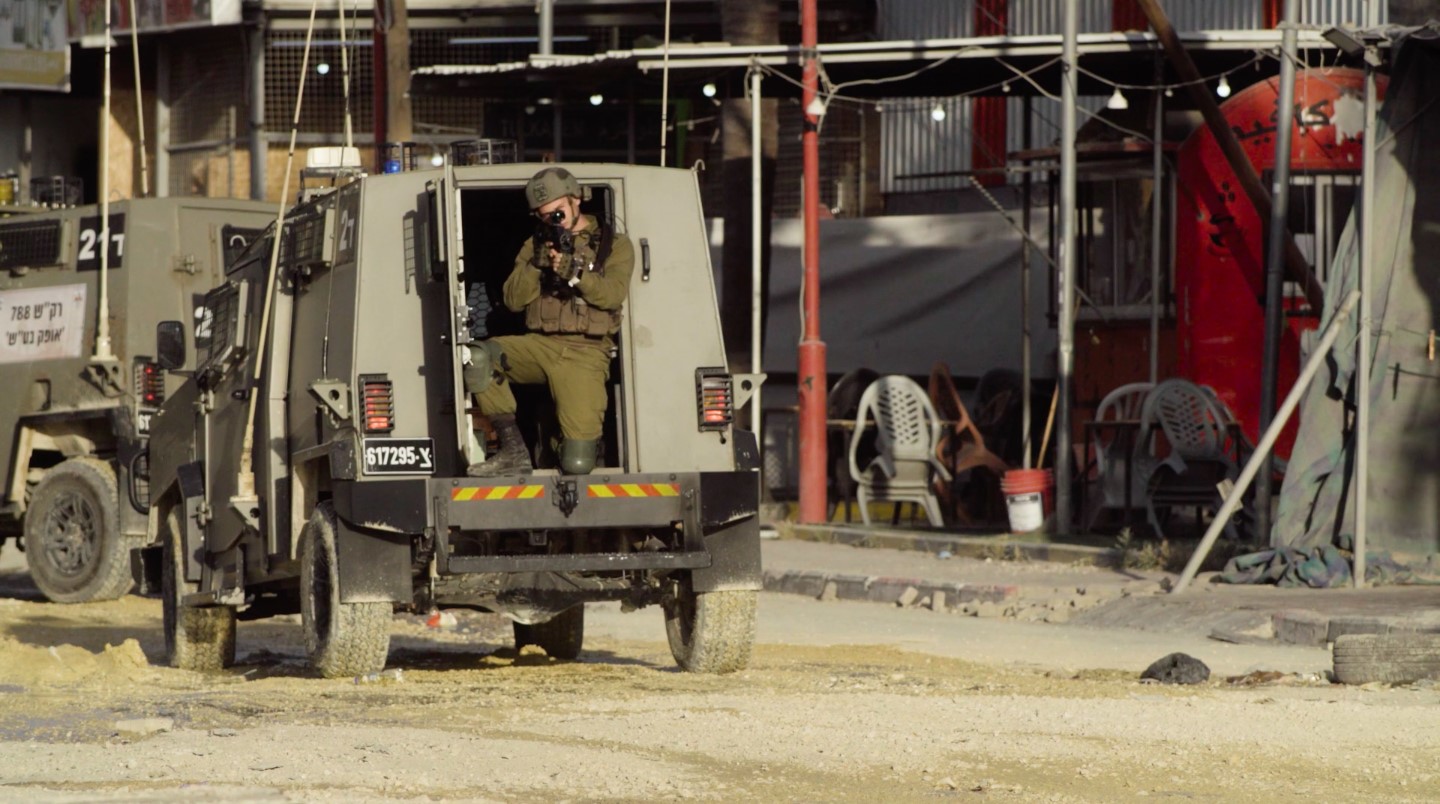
710 632
72 534
341 639
1388 658
199 639
560 637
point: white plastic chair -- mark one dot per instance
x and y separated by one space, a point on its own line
1202 452
1125 403
907 432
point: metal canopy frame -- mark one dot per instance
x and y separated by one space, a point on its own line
897 69
940 67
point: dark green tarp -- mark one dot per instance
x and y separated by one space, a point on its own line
1317 501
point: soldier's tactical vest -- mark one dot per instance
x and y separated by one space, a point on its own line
559 310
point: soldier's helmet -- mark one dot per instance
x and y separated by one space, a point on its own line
550 184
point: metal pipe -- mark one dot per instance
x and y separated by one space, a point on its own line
547 27
1157 208
1275 261
756 299
259 150
344 79
1026 370
102 351
1367 274
1068 77
665 88
379 91
139 101
812 378
1252 466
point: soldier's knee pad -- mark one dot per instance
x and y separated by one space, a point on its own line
577 456
486 361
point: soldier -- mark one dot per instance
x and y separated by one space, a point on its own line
571 280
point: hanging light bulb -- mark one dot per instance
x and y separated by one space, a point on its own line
709 90
322 68
1117 101
597 99
816 107
1223 88
938 113
1169 92
1005 87
437 159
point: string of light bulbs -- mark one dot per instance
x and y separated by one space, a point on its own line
832 92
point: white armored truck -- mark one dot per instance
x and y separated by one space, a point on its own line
79 413
315 460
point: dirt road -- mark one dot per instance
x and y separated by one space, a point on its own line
815 718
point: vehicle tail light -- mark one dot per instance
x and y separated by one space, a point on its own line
715 396
377 402
149 383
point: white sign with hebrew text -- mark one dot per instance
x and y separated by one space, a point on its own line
41 323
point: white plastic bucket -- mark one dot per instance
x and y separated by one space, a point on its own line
1027 498
1027 511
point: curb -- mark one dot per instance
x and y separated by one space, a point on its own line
970 546
935 595
1305 627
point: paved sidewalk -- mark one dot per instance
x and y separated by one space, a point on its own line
1079 593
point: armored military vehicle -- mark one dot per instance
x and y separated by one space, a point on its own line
316 460
79 415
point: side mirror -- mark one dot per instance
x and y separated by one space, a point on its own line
170 345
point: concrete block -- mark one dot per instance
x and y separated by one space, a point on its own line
908 597
1301 627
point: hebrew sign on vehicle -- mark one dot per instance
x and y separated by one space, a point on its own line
41 323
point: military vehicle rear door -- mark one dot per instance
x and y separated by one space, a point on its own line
449 247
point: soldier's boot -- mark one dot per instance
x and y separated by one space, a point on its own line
512 458
577 456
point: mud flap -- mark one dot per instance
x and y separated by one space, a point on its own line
374 565
735 558
729 511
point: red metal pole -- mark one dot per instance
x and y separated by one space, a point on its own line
812 349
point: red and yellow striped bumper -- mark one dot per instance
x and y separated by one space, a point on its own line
487 493
625 490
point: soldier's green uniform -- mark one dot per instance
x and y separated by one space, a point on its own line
569 344
572 326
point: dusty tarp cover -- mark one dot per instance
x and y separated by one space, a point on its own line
1317 501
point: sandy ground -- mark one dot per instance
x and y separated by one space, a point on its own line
843 701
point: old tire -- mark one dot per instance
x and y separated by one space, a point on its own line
341 639
72 534
710 632
1387 658
560 637
200 639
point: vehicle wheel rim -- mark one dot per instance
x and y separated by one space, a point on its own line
71 534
